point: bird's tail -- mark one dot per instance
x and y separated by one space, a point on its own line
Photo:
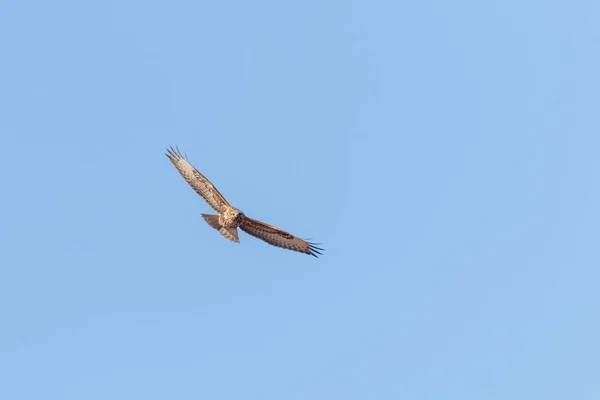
230 233
212 220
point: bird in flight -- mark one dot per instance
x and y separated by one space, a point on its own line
229 217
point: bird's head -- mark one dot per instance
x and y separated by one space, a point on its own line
234 214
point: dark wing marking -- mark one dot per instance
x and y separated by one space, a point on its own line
279 238
196 180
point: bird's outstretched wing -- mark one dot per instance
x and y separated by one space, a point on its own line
197 181
279 238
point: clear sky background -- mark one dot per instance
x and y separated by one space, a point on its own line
446 154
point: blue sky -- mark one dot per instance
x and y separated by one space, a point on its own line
444 153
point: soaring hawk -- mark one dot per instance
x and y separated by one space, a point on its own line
229 217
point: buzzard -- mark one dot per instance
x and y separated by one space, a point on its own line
229 217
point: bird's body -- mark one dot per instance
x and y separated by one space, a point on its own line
231 218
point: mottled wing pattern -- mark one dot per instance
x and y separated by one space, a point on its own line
196 180
279 238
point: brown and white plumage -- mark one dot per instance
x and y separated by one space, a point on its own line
197 181
230 218
278 237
